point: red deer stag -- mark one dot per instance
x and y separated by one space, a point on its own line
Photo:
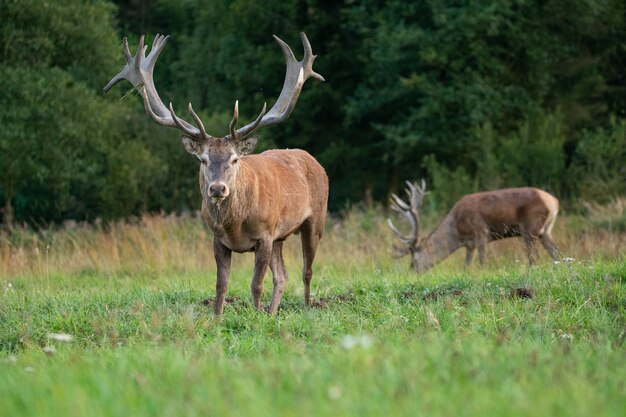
475 220
252 203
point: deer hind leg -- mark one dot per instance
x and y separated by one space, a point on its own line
481 251
310 237
481 243
262 255
549 245
279 272
222 259
545 233
469 255
529 242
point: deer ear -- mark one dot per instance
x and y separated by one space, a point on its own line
191 145
247 145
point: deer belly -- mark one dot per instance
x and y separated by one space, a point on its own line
288 226
239 244
503 231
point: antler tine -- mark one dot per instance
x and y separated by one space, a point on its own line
258 120
405 239
416 196
139 72
184 126
409 211
296 74
309 57
407 214
400 202
233 123
197 120
234 134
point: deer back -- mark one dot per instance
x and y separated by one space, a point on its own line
506 212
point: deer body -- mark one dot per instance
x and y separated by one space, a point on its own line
479 218
275 193
250 202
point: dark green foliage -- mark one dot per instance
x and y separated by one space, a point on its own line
470 95
600 162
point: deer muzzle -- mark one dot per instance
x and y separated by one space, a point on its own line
218 190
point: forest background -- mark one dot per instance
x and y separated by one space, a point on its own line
470 95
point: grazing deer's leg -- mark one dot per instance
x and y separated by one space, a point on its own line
279 272
262 255
481 254
550 246
481 244
310 239
222 259
529 242
469 255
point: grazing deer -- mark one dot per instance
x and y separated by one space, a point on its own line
252 203
475 220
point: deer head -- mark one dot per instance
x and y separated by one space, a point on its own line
219 156
410 243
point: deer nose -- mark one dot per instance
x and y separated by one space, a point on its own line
218 189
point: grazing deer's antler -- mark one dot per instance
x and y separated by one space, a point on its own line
410 211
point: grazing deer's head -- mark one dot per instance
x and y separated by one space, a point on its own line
218 156
411 243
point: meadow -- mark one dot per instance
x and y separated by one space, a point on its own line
116 320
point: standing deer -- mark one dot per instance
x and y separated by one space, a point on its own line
475 220
252 203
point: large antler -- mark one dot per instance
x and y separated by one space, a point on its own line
409 211
296 74
139 71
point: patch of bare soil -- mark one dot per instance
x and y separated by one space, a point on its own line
439 293
210 302
323 302
523 293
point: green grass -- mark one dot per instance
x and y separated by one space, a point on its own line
380 340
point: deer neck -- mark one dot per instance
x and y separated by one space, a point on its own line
441 242
233 210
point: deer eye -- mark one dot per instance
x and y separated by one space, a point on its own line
234 161
204 160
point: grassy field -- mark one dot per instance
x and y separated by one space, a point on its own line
135 300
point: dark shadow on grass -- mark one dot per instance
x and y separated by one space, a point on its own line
230 302
413 292
319 303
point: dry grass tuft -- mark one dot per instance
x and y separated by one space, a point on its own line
356 241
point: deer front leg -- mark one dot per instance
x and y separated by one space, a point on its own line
262 255
469 255
222 259
279 272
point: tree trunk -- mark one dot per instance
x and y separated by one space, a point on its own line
392 183
7 214
368 191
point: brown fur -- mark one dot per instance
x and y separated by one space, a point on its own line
479 218
252 203
274 194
